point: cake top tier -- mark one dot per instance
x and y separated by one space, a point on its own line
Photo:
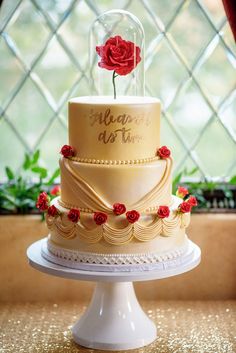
102 128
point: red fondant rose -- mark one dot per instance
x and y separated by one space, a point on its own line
192 201
56 190
119 208
52 211
132 216
100 218
119 55
43 201
185 207
163 212
73 215
67 151
163 152
181 192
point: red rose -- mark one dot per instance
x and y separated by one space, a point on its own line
163 212
52 211
100 218
119 55
182 192
56 190
132 216
119 208
185 207
43 201
73 215
67 151
163 152
192 201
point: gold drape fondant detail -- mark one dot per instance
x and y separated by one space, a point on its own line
69 206
118 236
155 194
89 195
95 202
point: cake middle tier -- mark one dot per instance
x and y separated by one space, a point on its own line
96 187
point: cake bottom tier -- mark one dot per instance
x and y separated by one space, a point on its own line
147 243
117 235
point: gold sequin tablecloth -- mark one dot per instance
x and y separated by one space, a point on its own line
183 327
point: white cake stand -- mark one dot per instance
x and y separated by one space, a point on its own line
114 319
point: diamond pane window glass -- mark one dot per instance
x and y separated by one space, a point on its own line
190 65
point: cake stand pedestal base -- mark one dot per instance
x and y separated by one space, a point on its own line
114 319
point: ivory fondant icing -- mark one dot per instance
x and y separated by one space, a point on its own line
106 129
116 161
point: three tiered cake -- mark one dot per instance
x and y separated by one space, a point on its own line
116 210
116 206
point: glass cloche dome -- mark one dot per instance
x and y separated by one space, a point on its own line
117 55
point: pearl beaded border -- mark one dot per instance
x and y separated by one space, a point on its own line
114 162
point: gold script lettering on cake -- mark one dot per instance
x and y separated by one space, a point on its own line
125 133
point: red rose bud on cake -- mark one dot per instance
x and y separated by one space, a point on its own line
192 201
67 151
119 208
163 212
163 152
52 211
119 55
100 218
73 215
181 192
43 201
132 216
56 190
185 207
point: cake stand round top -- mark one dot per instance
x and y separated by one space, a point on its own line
37 261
